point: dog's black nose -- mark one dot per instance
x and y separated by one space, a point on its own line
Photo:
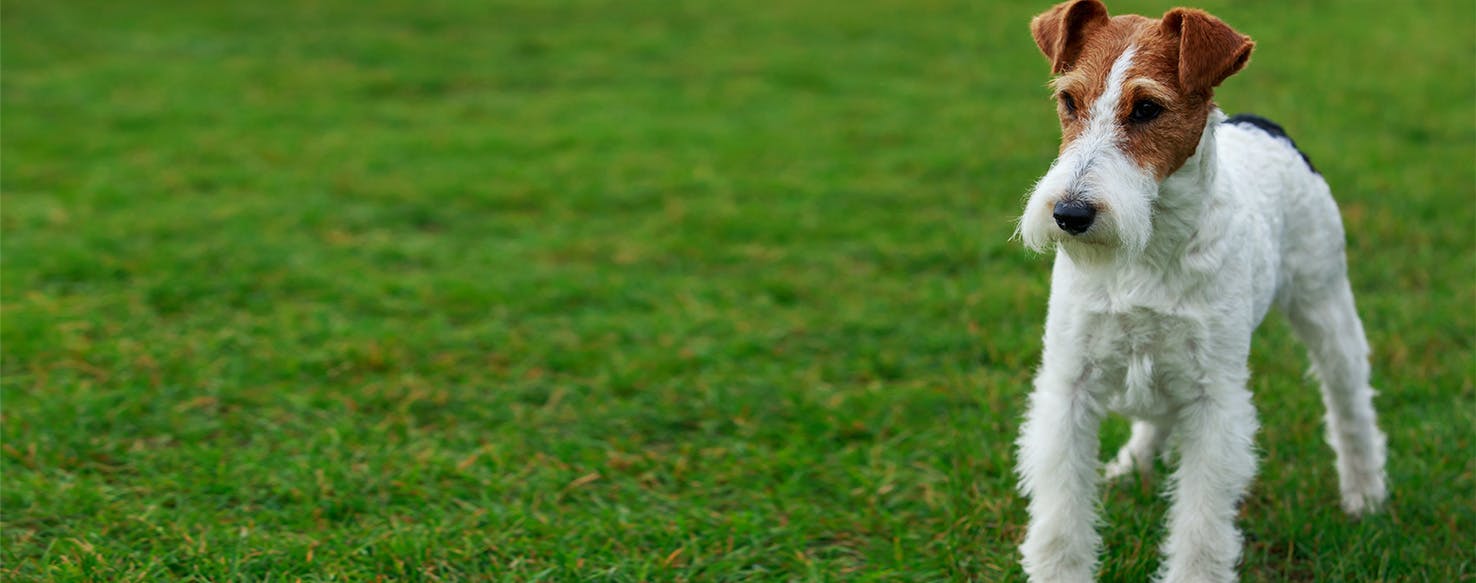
1074 216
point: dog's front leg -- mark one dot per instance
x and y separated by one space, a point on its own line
1216 464
1058 472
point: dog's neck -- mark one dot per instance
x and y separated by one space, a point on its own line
1185 202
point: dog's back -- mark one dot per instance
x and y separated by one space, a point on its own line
1272 177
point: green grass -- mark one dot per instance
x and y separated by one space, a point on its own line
645 290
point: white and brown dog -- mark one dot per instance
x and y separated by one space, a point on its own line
1175 230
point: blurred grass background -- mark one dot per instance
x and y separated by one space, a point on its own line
645 290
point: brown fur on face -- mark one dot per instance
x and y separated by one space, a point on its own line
1179 60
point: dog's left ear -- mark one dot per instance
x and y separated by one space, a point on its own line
1209 50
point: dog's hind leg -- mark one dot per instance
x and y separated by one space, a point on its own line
1137 454
1327 323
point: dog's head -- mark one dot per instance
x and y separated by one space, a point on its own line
1133 95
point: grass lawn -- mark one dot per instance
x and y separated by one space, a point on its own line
646 290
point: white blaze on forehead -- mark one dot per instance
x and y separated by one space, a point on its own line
1104 109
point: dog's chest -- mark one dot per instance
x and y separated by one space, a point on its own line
1145 360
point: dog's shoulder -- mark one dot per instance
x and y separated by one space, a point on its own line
1255 122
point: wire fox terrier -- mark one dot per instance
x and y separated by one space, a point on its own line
1176 229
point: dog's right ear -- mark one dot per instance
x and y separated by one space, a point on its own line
1061 32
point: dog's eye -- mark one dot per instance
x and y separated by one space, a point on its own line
1069 102
1144 111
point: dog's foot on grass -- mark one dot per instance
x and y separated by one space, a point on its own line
1125 464
1364 496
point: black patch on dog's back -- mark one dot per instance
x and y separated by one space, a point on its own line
1270 127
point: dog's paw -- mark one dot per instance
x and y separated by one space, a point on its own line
1365 497
1116 469
1127 464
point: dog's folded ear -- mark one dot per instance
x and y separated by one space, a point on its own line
1209 50
1061 32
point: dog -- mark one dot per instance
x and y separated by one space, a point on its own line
1175 230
